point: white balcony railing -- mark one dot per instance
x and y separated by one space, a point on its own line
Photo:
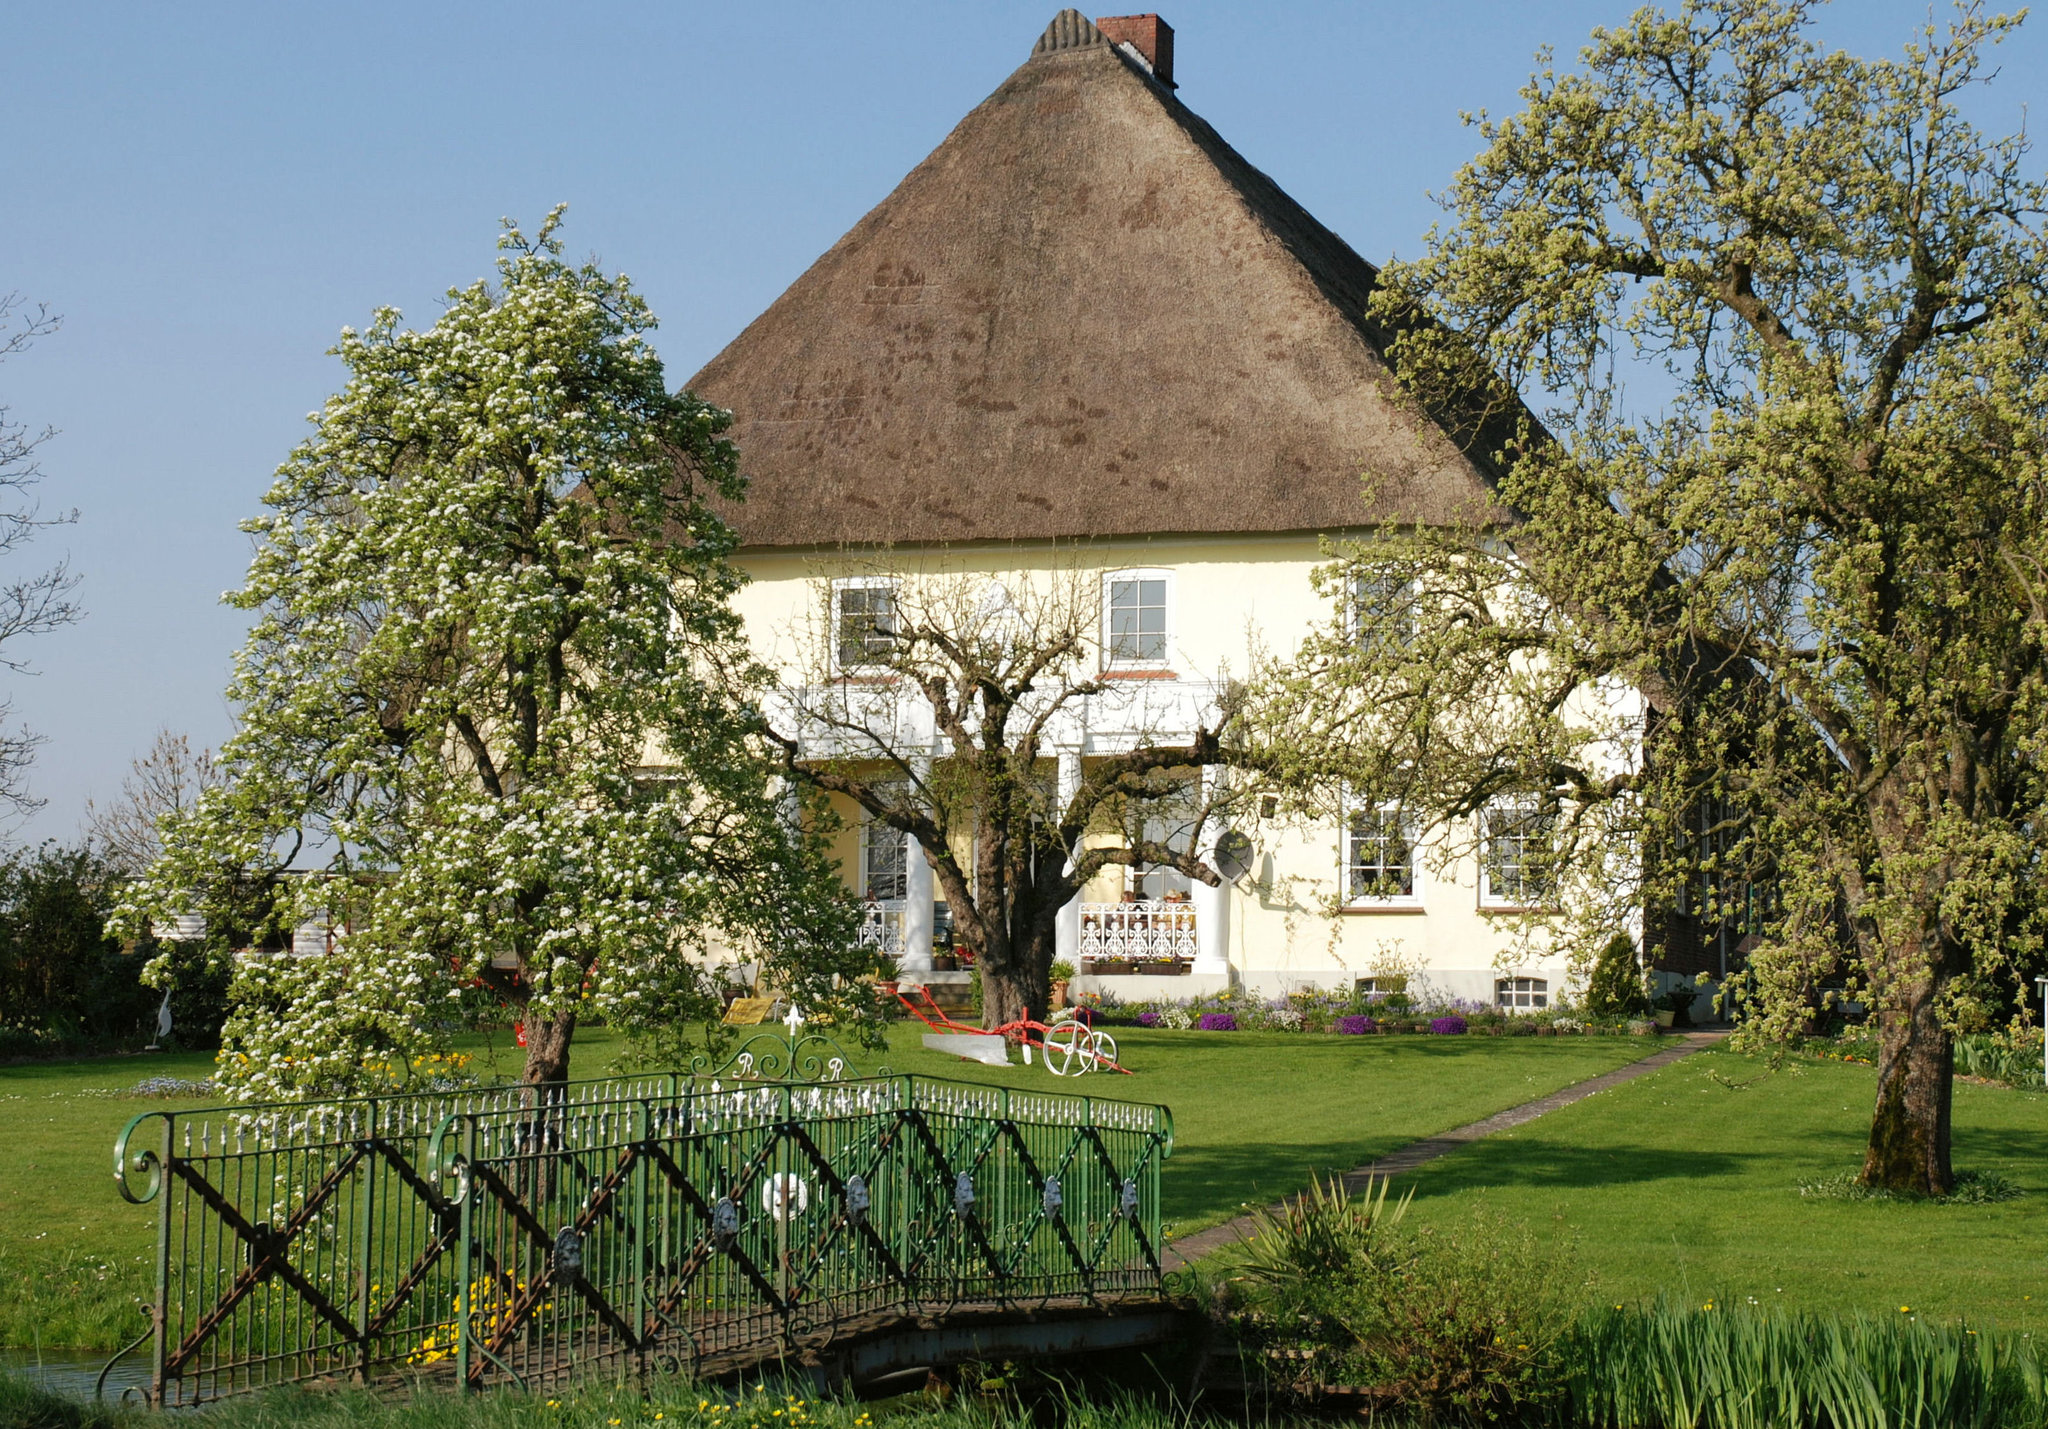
882 928
1151 931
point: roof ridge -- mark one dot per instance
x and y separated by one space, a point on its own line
1069 30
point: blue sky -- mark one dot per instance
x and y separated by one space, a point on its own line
207 192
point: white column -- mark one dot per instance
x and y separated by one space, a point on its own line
917 910
1212 905
1067 932
917 897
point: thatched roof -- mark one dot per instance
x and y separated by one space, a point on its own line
1083 314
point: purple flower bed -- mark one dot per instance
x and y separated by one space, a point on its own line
1447 1026
1355 1026
1218 1022
1148 1019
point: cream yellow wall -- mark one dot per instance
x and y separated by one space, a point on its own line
1228 594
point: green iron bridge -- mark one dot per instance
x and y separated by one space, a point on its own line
684 1224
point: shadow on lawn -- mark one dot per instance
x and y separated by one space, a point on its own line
1209 1180
1541 1162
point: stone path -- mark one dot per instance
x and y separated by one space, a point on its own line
1416 1153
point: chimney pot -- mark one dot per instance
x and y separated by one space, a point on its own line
1149 35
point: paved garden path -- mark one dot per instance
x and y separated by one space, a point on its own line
1190 1248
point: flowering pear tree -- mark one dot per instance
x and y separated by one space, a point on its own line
496 714
1779 316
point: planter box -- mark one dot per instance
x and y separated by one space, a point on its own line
1114 969
1163 969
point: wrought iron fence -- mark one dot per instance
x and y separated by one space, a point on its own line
1145 930
672 1224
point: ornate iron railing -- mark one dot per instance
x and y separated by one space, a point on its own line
669 1223
881 927
1150 930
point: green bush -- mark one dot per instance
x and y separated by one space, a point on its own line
65 985
1454 1324
1615 990
2001 1057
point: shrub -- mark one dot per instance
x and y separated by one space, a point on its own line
1452 1326
1447 1026
1218 1022
2001 1057
1148 1019
1615 988
1354 1026
65 985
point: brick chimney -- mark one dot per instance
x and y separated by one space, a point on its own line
1148 35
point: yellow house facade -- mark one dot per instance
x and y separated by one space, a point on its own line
1086 342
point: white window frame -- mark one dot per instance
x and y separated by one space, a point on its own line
1516 993
1169 821
1355 607
1110 659
873 831
1488 897
840 666
1410 899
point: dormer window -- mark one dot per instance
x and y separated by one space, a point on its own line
863 625
1136 623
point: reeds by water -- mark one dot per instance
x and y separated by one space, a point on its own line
1715 1367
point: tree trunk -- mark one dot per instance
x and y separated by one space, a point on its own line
1019 986
1909 1130
547 1048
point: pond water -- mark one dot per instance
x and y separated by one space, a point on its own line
74 1372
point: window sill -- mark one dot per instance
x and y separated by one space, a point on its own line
1138 674
849 678
1516 908
1352 910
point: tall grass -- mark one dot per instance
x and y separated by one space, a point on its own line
67 1297
1673 1367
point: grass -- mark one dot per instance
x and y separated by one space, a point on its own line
666 1405
1254 1113
1686 1183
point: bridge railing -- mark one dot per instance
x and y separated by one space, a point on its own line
670 1223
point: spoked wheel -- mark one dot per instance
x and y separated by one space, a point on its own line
1067 1050
1102 1051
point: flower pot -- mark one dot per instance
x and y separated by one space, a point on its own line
1665 1019
945 963
886 987
1059 995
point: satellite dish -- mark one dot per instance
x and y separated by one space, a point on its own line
1233 854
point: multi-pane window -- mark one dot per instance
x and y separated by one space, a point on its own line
1515 864
884 861
1137 620
1382 610
1519 992
1379 861
1169 822
864 624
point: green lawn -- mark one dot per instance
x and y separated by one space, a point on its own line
1680 1184
1253 1114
